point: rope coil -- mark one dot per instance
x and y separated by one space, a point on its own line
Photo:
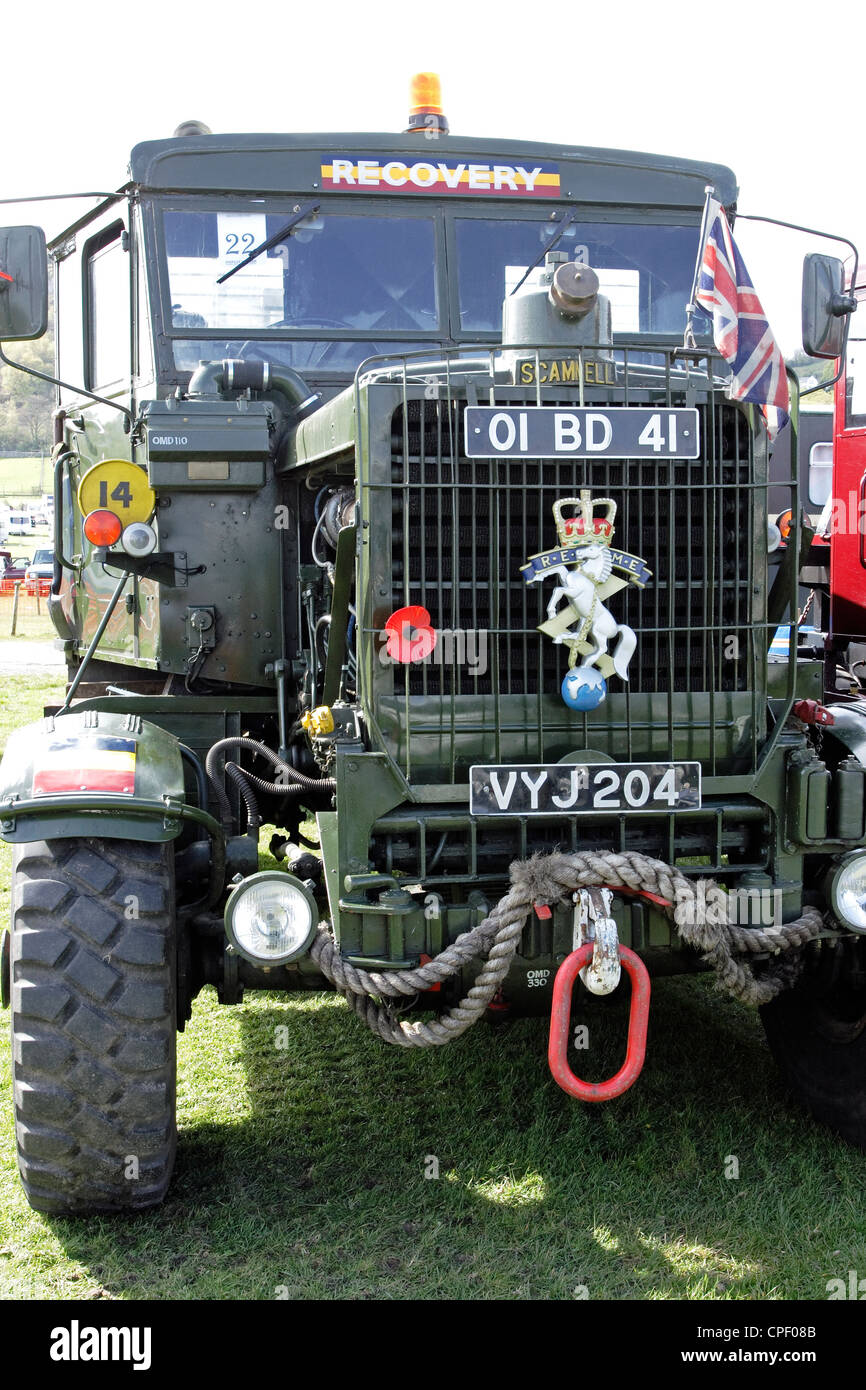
551 879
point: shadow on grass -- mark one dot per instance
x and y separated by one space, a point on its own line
629 1198
325 1186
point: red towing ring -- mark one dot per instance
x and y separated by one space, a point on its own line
560 1019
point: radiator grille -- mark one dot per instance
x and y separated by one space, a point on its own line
449 534
461 529
437 845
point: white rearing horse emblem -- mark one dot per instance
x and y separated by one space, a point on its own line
584 564
580 587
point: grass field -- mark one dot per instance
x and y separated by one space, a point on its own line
301 1168
32 624
24 476
26 544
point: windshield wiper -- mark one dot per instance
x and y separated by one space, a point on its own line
566 222
274 240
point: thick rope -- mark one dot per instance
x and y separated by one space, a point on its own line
548 879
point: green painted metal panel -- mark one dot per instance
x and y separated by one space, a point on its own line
93 744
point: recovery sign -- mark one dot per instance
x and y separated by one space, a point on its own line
354 172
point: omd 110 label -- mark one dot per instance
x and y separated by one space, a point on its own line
585 432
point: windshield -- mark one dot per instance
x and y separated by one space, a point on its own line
340 286
645 270
368 274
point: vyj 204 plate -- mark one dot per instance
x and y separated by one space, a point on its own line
550 789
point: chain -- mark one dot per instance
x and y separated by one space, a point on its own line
809 601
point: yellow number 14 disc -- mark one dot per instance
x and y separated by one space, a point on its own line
118 486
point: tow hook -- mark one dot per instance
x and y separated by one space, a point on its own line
593 922
598 959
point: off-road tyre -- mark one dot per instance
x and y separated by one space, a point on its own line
817 1034
93 1023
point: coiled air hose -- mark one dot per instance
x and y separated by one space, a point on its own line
248 780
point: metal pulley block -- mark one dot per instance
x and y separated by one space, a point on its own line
593 923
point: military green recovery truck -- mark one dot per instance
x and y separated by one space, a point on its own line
434 587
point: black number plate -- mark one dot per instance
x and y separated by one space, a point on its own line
544 431
574 789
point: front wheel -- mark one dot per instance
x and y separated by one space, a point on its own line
817 1034
93 1023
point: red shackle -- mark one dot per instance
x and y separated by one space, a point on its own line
560 1015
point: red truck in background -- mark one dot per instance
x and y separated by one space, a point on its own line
828 456
847 528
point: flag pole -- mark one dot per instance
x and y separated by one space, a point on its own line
689 335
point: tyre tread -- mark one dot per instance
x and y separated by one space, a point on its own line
828 1077
93 1023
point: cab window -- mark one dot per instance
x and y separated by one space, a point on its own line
371 274
107 311
820 473
645 270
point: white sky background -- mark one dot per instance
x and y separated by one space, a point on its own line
772 89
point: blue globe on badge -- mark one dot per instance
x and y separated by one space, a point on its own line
584 688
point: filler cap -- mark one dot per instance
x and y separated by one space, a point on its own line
574 289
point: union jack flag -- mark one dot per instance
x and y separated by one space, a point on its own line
740 328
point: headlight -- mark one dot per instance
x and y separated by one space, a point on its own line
271 918
848 891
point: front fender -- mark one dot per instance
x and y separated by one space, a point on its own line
94 773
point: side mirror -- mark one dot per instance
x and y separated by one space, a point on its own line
825 306
23 283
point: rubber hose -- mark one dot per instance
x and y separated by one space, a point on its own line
324 784
309 783
239 777
240 741
222 801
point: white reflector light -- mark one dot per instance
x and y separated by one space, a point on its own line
139 539
270 918
848 892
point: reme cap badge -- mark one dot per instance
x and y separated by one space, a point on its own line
584 562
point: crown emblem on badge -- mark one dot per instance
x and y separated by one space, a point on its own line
585 527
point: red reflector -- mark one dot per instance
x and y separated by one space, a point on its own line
4 276
102 528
